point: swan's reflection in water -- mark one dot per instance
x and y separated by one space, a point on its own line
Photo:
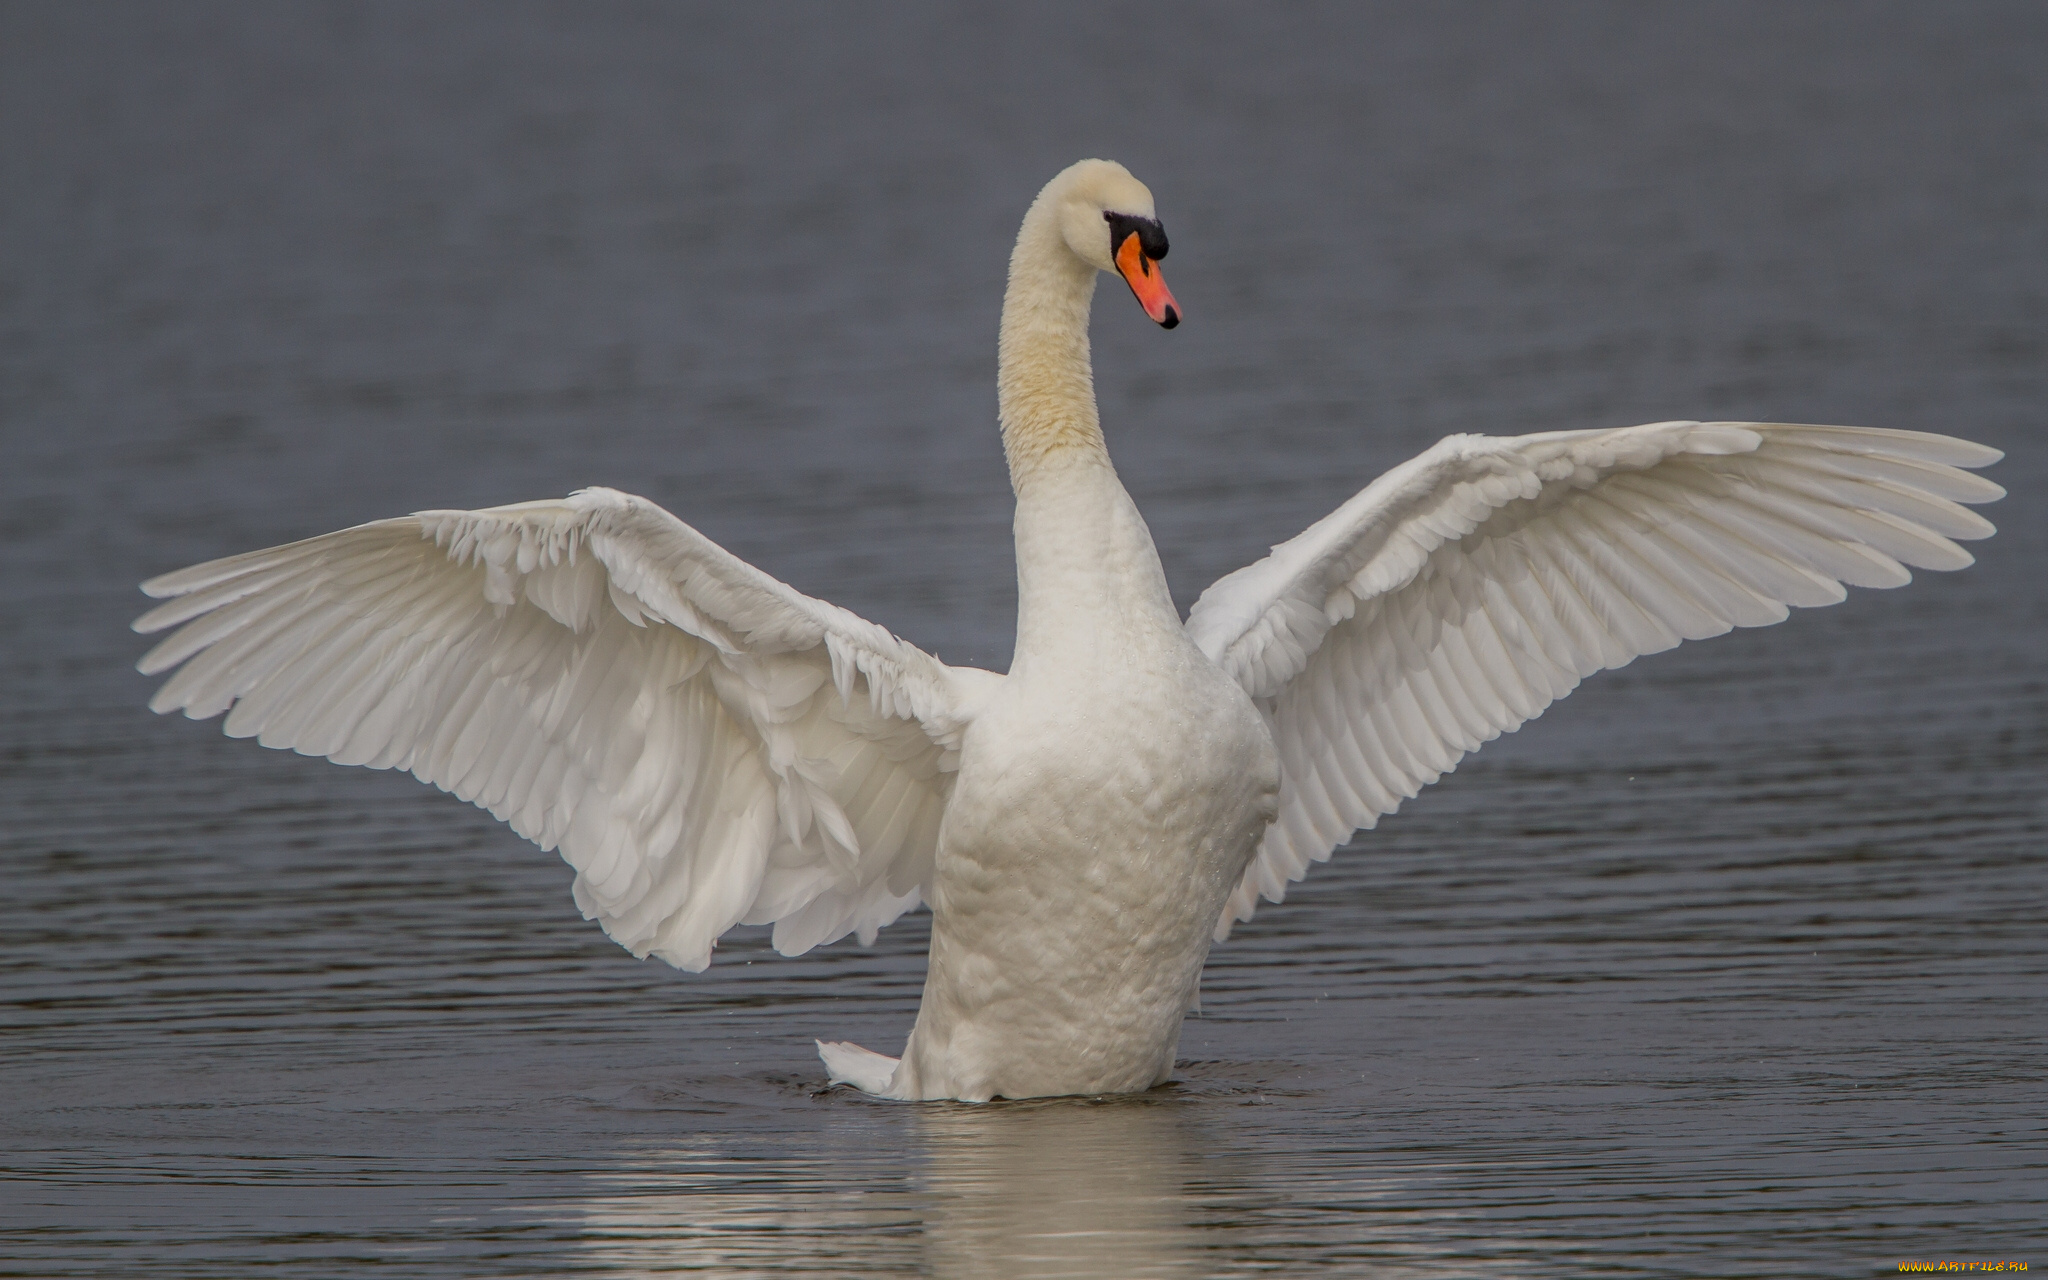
1114 1188
745 1208
1037 1189
1060 1188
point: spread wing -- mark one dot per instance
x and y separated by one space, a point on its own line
1463 592
705 745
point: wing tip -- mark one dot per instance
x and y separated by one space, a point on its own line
157 619
1919 446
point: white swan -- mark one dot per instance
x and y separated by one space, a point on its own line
709 747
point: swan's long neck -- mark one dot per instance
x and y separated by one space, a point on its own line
1088 577
1045 385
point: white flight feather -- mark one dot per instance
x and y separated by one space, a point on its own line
1461 593
704 744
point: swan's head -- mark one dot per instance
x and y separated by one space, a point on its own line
1107 219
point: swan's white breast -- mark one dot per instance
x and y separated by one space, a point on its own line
1097 825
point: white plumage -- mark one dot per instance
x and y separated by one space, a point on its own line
602 677
709 747
1466 590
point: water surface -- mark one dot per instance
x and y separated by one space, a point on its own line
1731 964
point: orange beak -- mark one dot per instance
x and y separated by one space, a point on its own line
1142 274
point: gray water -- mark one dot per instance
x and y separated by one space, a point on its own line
1732 964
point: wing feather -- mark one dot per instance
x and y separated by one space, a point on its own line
1456 597
704 744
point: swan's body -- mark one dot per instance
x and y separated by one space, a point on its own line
1110 793
709 747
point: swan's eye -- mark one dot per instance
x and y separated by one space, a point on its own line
1151 236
